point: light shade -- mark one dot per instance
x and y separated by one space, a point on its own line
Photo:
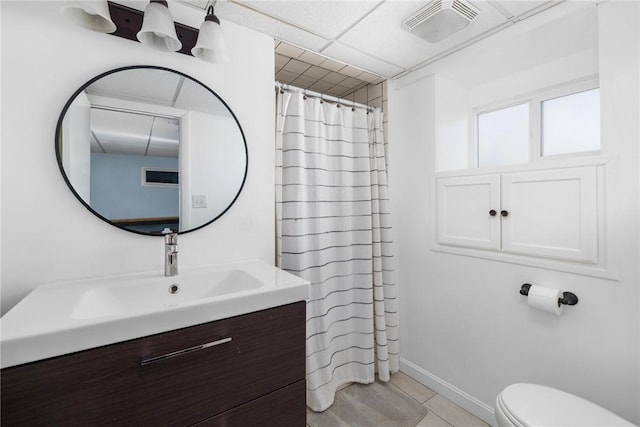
158 29
210 46
93 15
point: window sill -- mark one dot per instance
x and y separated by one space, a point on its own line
583 269
555 162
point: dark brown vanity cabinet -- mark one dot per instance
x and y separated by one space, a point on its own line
172 379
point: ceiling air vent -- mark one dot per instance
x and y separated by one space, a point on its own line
440 19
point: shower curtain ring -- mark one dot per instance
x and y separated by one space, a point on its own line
304 94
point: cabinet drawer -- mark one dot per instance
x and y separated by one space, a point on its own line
282 408
110 385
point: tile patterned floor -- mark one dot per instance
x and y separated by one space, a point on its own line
403 402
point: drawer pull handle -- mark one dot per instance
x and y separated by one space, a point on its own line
183 351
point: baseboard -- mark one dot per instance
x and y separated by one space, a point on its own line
451 392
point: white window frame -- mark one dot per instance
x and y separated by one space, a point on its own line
145 183
535 100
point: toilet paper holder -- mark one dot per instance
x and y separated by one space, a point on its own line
568 298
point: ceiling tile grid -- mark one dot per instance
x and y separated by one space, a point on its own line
366 34
327 19
321 43
308 70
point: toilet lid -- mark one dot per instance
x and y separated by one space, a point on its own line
536 405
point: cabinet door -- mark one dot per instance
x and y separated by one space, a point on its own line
552 214
463 211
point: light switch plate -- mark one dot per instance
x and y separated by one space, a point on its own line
199 201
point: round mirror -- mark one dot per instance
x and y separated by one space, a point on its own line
148 148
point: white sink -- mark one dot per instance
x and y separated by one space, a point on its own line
146 294
64 317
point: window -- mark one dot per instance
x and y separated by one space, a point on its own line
160 177
550 123
571 124
503 136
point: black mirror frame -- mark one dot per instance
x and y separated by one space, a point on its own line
58 142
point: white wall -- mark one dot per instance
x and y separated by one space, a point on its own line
220 176
465 330
451 125
47 235
76 153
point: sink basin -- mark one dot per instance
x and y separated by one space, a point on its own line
149 294
65 317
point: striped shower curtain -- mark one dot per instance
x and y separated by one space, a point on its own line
333 229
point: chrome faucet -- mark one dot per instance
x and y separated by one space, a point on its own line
170 252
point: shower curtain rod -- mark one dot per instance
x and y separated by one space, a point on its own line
312 94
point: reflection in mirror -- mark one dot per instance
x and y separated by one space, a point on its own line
148 148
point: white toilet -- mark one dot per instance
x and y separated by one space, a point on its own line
533 405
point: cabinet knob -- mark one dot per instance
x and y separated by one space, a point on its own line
504 213
492 212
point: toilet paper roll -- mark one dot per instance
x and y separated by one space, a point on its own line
545 299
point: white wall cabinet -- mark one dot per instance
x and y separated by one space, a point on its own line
546 213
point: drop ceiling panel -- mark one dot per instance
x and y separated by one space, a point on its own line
321 86
193 96
521 7
142 85
380 33
121 133
339 91
312 58
304 82
361 60
280 61
295 66
350 82
289 50
316 72
268 25
370 78
351 71
332 65
286 77
327 19
334 77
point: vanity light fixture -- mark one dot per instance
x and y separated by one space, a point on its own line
158 29
210 46
93 15
154 27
